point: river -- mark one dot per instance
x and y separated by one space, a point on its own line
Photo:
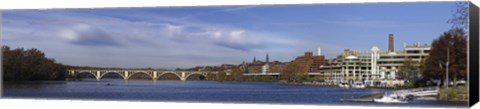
200 91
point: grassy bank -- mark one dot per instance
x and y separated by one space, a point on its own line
458 93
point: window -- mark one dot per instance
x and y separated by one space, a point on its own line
413 51
414 57
426 51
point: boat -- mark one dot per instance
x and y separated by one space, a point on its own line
358 85
344 85
390 98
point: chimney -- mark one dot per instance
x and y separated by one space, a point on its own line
390 43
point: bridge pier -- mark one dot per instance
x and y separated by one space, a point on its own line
183 78
154 78
126 77
98 76
72 72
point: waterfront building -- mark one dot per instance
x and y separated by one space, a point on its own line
372 66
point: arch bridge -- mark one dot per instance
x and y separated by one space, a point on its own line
127 74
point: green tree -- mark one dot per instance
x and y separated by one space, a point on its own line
410 70
30 65
453 44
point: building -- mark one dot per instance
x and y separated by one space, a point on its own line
389 63
266 67
372 66
257 66
309 62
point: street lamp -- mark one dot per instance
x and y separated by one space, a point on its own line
447 63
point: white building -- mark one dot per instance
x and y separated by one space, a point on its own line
372 66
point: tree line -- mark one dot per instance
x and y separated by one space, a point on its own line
30 65
293 72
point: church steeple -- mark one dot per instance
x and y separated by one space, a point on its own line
266 60
254 59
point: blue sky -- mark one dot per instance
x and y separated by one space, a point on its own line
171 37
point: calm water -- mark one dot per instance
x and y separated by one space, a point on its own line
199 91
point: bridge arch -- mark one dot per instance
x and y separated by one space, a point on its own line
140 72
196 73
108 72
87 72
163 73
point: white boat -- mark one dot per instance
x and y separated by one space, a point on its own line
358 85
344 85
390 98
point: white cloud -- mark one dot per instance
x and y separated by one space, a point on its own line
69 35
77 38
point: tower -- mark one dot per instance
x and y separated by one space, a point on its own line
254 59
266 60
319 51
390 43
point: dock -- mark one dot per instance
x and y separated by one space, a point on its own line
422 93
368 98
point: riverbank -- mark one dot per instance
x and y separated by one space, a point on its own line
457 94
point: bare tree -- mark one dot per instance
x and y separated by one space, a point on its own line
460 16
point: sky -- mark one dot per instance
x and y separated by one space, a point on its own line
183 37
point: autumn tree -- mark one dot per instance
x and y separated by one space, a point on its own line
237 74
293 72
453 44
221 76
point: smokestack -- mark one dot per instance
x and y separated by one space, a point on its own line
390 43
319 51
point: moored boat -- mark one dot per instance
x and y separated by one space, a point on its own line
390 98
358 85
344 85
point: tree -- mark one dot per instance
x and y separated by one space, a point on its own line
460 16
410 71
292 72
236 74
30 65
210 76
452 43
221 76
